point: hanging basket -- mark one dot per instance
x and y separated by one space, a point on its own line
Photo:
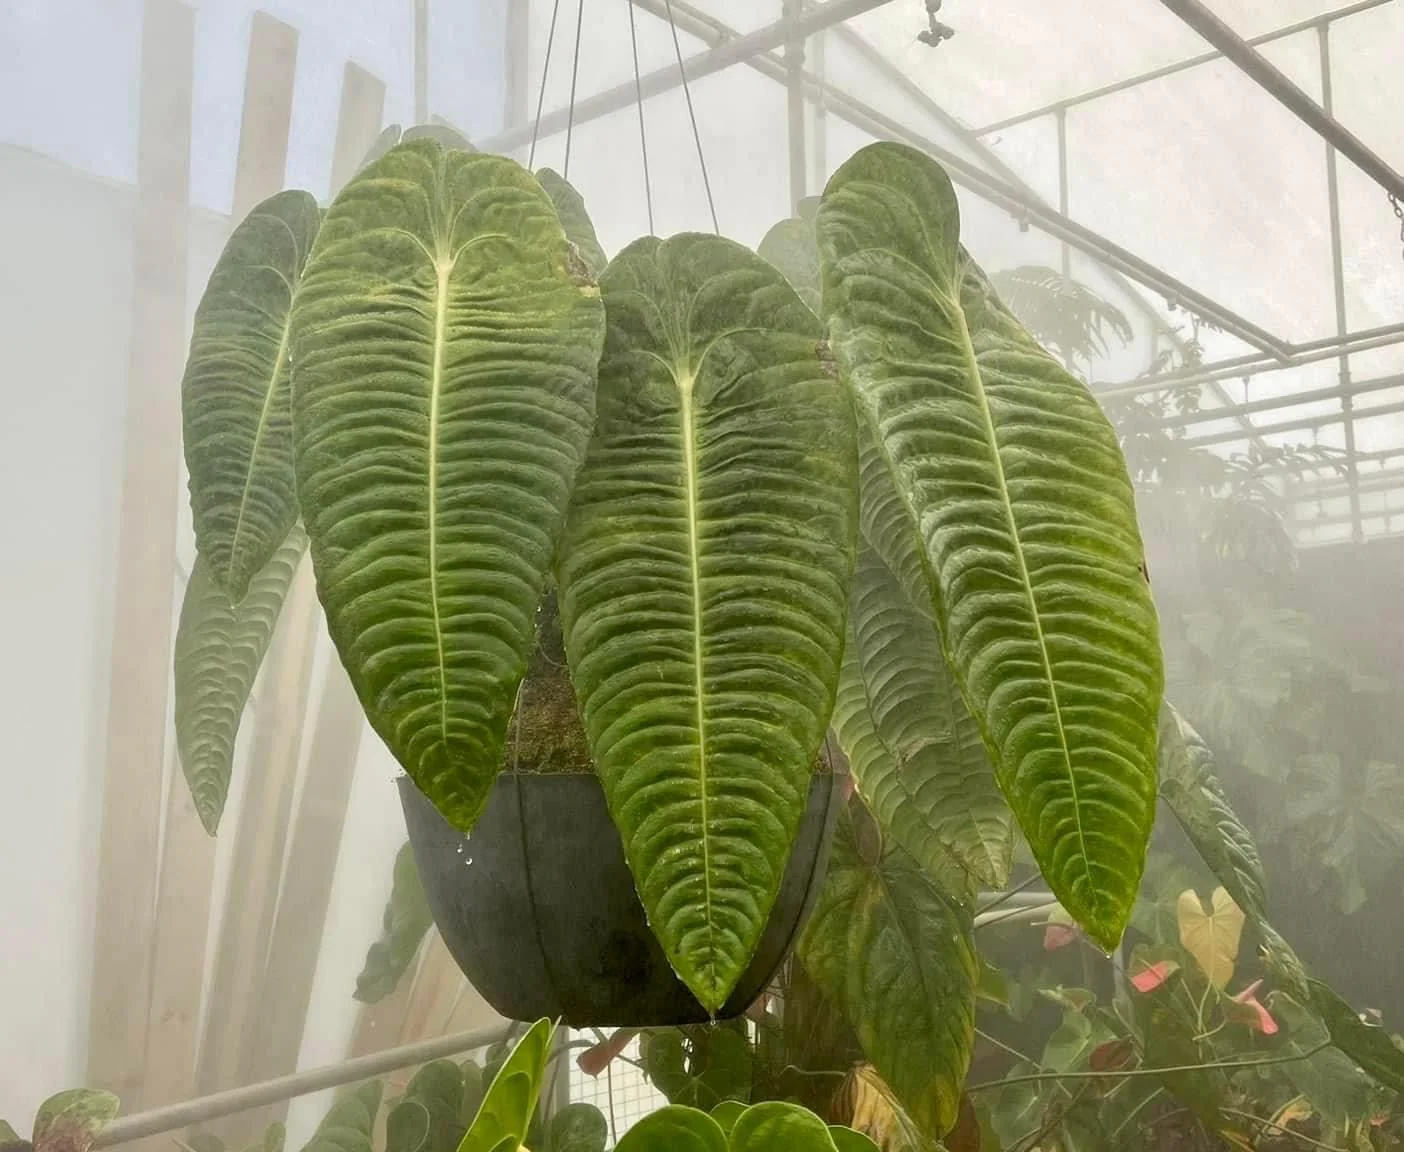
538 907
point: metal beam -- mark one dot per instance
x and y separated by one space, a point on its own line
1275 403
737 50
206 1108
1136 81
1251 365
1304 423
1276 83
1019 202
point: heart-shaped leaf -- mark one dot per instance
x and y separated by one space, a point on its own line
1013 486
704 585
936 782
727 1113
234 397
675 1128
445 344
1211 936
438 1087
407 1127
895 953
506 1111
219 647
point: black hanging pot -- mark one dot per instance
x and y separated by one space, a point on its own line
538 907
537 904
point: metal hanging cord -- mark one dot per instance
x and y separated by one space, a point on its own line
574 75
541 95
692 116
643 138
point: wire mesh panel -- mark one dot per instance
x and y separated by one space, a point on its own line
622 1091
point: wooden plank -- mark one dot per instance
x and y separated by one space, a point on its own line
267 117
302 908
362 110
259 844
187 869
146 556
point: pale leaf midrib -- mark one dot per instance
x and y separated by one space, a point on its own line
685 383
443 269
1026 582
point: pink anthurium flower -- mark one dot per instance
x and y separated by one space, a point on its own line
1261 1019
1150 978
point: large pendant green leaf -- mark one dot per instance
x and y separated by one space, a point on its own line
887 946
1013 484
219 647
579 229
935 789
704 585
234 398
1192 792
445 343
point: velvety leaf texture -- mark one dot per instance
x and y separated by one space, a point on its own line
570 207
219 647
939 784
1193 793
234 397
790 246
444 355
704 585
1013 483
405 923
887 946
507 1108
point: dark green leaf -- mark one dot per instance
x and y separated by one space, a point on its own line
406 921
1014 488
704 585
438 1086
349 1124
219 647
1369 1045
935 790
570 207
407 1127
1193 793
896 955
699 1067
578 1128
444 357
234 398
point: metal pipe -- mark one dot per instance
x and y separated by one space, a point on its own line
197 1111
1305 423
1180 66
665 79
1277 84
729 48
1245 366
1275 403
795 107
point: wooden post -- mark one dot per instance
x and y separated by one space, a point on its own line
362 109
146 549
187 871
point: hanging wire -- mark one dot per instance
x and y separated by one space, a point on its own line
643 139
1399 212
574 73
545 71
692 116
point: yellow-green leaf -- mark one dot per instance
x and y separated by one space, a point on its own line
1211 935
1013 488
445 344
704 581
